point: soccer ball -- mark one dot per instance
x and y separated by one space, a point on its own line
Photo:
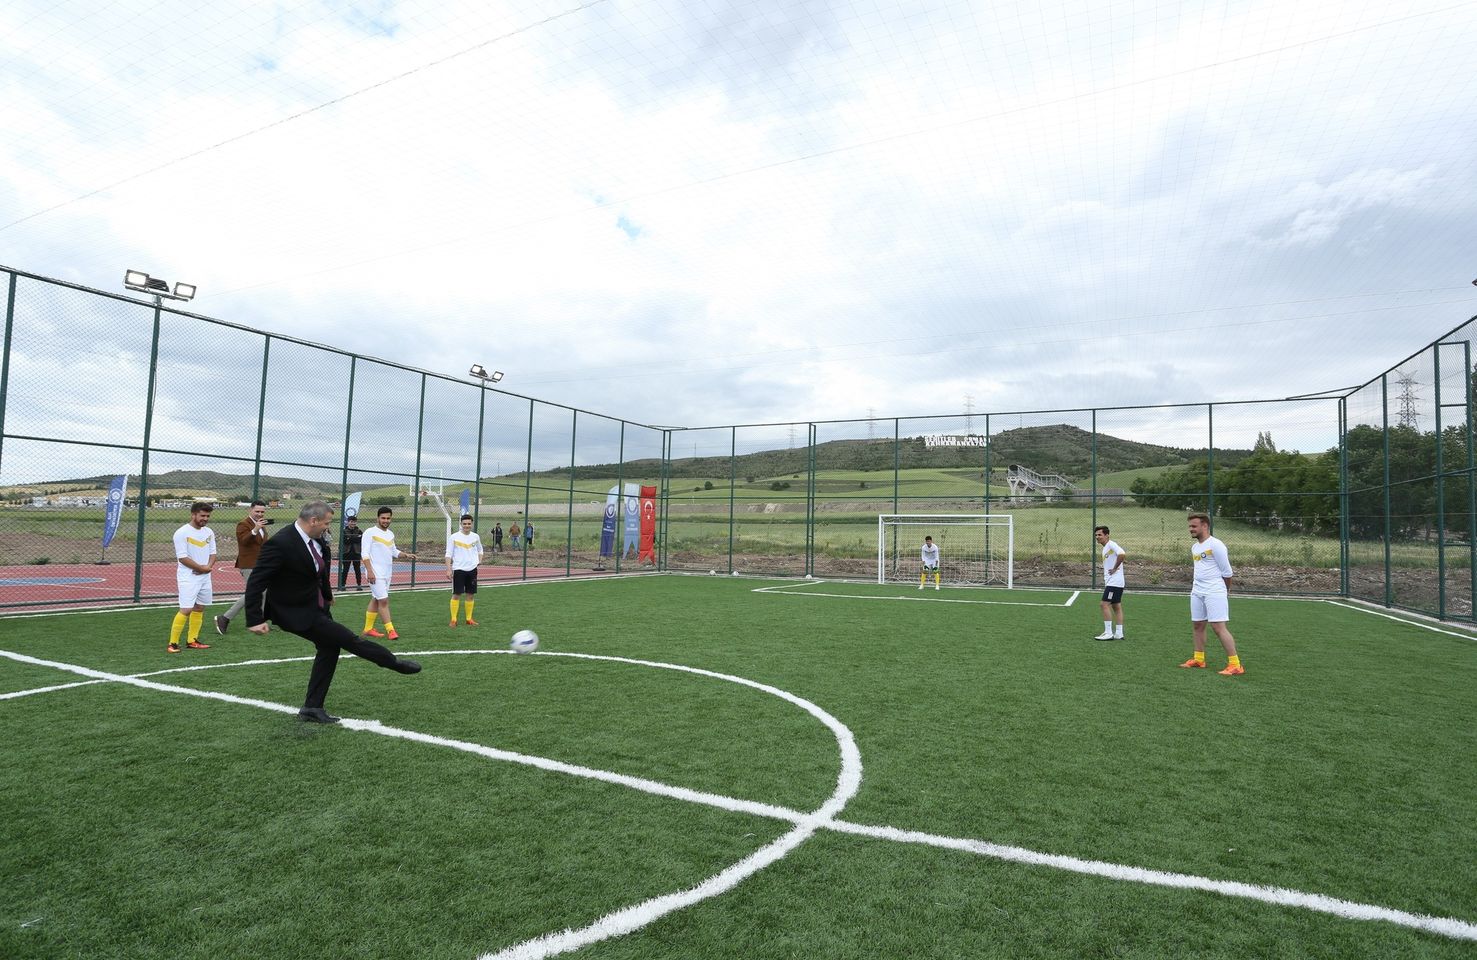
712 573
524 641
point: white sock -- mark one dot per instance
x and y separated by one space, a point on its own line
1118 632
1107 626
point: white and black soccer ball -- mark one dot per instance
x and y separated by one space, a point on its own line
524 641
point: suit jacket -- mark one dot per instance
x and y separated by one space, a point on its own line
248 545
285 586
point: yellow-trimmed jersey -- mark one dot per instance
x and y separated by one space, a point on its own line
464 550
198 545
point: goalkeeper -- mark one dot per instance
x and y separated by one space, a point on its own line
930 555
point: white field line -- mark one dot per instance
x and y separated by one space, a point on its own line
782 590
631 918
1409 623
1073 598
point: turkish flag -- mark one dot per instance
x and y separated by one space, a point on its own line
648 526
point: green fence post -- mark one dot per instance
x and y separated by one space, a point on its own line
477 480
1440 490
261 419
415 499
527 488
664 501
143 477
1094 491
1344 501
1210 461
1385 418
732 487
343 490
618 544
810 502
1467 374
574 425
5 360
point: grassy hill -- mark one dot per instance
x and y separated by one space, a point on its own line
1056 448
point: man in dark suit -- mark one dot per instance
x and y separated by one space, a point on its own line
289 586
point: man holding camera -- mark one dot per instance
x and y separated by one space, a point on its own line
251 533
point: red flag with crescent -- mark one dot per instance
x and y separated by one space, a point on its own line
648 526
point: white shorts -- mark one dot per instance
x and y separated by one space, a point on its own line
1215 607
380 589
194 592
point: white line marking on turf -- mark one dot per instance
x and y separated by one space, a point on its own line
59 686
1073 598
632 918
788 590
1409 623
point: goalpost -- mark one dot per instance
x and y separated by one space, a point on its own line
974 548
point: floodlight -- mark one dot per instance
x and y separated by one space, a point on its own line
143 283
480 372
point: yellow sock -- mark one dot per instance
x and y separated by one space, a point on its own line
196 619
1235 661
455 605
177 628
469 610
1199 656
922 578
369 619
389 627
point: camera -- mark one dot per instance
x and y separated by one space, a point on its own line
267 521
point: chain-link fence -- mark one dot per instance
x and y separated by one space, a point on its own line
1366 493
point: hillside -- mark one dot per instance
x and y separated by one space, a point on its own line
1058 448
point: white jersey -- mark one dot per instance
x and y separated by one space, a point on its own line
1111 553
464 550
198 545
380 551
930 554
1212 563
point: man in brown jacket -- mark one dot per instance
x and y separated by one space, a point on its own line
251 533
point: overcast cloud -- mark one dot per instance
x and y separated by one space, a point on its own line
772 211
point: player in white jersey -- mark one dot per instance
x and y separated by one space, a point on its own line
1113 584
930 557
194 548
379 566
1210 596
463 553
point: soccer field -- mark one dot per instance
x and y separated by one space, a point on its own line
733 768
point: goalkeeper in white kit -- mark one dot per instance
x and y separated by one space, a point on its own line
930 555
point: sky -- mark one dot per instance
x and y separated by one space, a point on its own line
772 211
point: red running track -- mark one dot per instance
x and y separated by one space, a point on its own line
58 586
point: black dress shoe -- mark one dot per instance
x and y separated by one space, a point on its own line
406 666
316 715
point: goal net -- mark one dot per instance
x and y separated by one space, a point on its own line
974 549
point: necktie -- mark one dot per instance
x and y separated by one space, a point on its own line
318 565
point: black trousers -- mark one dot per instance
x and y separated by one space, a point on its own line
343 572
330 636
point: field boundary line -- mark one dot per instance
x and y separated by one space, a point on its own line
789 589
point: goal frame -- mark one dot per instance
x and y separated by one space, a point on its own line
986 520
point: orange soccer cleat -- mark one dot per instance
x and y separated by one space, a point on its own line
373 633
172 648
392 635
471 623
453 623
1192 662
197 645
1232 670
